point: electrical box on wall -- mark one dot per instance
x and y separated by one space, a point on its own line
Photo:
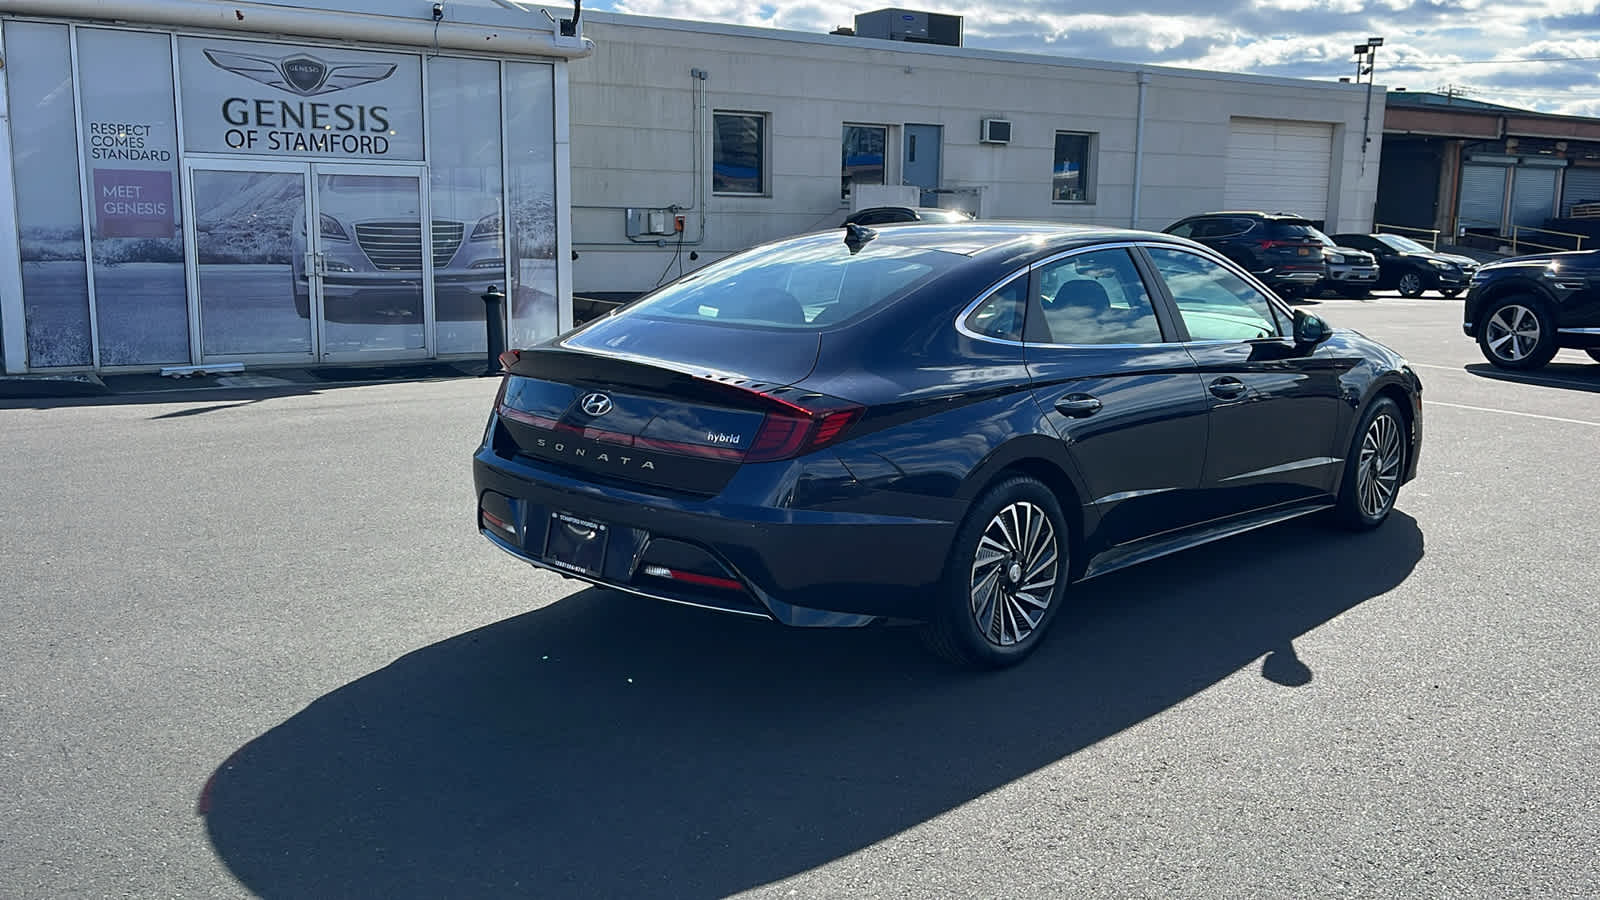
646 222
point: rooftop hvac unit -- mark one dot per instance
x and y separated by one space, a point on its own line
996 131
910 25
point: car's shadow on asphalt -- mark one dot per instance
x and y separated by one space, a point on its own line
606 746
1570 376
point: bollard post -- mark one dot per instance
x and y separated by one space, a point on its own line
494 303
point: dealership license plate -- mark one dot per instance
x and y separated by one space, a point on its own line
1305 251
574 544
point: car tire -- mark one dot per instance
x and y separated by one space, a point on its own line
1410 285
983 619
1516 333
1374 467
1450 292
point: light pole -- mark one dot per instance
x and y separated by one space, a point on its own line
1366 62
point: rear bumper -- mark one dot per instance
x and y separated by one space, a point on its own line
799 567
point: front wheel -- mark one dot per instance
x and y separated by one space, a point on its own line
1410 285
1374 468
1517 334
1005 578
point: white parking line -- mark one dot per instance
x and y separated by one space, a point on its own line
1509 412
1535 380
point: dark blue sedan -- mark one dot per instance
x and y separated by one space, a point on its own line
940 424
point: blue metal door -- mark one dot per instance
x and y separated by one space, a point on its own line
922 152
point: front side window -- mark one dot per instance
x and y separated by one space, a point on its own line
1002 313
1216 305
1095 298
863 151
739 153
1071 176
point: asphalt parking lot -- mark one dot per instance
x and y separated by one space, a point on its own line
252 644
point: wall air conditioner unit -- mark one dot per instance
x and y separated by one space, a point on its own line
996 131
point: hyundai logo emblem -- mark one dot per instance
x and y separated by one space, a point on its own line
595 404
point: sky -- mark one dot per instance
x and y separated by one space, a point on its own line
1533 54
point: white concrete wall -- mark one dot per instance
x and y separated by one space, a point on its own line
634 134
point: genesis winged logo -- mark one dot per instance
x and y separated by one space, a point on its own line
301 74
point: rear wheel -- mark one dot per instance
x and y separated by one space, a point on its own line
1517 334
1410 285
1374 468
1005 579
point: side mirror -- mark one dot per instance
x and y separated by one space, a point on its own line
1310 330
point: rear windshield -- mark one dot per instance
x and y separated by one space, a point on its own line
1290 229
805 286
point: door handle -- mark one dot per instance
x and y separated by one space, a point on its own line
1078 405
1228 388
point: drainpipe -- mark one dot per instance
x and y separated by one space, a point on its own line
1138 151
259 18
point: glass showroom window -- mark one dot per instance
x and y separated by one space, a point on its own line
739 153
44 149
1072 176
531 202
863 152
468 225
130 135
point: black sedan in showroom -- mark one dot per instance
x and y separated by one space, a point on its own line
1522 310
1411 268
935 424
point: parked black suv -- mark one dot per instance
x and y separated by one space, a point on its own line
1282 250
1522 310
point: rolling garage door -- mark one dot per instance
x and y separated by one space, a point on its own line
1278 166
1582 186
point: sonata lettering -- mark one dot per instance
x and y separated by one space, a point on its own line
602 456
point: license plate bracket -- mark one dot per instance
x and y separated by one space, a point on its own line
576 544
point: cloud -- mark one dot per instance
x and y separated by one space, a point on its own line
1428 43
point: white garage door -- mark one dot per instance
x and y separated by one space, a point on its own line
1278 166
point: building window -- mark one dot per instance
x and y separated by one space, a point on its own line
864 149
739 153
1072 177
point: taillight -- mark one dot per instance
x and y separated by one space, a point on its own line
797 430
1268 245
509 359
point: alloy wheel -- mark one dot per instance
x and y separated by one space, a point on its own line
1014 573
1378 469
1513 332
1410 284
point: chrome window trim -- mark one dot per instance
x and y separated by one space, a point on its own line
1199 250
1578 330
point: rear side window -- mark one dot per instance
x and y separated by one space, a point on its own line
1095 298
1001 315
805 286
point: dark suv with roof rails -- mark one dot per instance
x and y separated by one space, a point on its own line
1283 251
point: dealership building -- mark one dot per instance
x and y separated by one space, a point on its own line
198 183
